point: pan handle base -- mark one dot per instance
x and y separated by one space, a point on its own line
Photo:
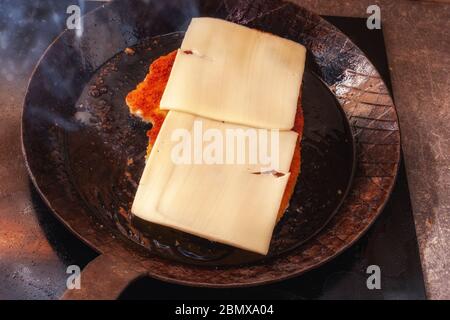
104 278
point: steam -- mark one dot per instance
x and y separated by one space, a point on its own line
26 29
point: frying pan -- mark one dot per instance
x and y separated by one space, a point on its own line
84 159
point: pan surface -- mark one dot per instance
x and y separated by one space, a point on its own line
85 152
102 118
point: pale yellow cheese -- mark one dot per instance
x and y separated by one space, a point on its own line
234 204
232 73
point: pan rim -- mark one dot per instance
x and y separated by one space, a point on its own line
179 281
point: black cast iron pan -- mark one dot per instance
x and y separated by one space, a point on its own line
85 152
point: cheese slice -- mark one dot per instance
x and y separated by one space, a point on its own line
231 203
228 72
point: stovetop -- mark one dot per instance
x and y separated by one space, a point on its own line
390 244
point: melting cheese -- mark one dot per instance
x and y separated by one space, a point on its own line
232 73
235 204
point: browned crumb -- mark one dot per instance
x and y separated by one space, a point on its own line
129 51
